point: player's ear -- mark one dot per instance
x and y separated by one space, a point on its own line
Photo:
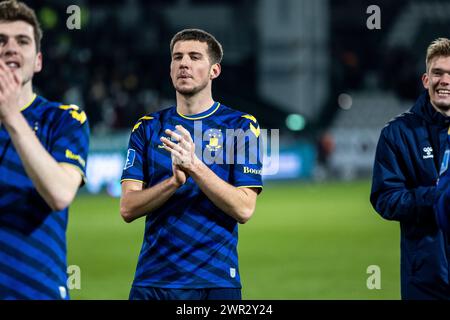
38 63
215 71
425 80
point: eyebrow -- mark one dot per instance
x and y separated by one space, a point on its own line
23 36
17 36
189 53
439 70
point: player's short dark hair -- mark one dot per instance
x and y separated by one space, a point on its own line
438 48
215 50
12 10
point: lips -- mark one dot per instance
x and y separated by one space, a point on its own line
184 76
13 64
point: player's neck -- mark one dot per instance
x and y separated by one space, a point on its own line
193 105
26 94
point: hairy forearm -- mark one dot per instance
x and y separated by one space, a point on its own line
137 203
237 203
55 185
233 201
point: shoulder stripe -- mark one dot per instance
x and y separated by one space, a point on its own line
69 106
256 131
136 126
250 117
75 112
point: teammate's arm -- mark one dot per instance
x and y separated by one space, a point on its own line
56 183
391 196
239 203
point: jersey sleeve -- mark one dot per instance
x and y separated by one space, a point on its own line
247 171
134 164
70 139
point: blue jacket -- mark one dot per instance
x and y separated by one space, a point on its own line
407 161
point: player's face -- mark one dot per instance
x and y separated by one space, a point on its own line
191 70
437 81
18 49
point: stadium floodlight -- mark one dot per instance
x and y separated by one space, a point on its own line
295 122
345 101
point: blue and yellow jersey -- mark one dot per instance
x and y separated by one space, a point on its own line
189 242
32 236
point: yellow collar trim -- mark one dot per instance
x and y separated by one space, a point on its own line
202 117
29 103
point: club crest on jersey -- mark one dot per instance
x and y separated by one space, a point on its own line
131 154
215 139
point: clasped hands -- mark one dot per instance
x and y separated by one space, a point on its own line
183 150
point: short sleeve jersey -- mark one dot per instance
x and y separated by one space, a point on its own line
32 236
189 242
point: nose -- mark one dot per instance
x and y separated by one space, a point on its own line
445 79
10 48
184 62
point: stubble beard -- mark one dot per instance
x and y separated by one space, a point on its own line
191 91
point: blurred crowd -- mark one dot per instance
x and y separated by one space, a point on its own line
115 71
117 65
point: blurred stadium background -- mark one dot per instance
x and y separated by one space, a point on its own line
310 68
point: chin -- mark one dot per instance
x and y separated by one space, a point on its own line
186 91
444 106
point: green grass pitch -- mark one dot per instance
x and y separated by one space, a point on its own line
305 241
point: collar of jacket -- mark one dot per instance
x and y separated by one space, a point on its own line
425 110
